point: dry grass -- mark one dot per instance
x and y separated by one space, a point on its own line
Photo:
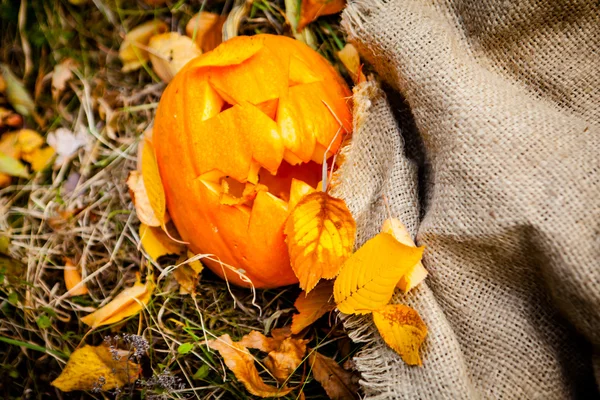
83 211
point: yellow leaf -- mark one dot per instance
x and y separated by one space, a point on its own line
320 236
29 140
133 51
39 158
206 29
9 145
92 367
127 303
417 273
349 57
169 52
337 382
239 360
312 306
187 275
139 195
12 167
73 278
367 279
402 329
153 183
298 190
157 244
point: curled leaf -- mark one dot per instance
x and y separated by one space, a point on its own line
157 244
91 367
153 183
367 279
337 382
187 275
72 279
169 52
313 9
239 360
127 303
137 191
312 306
320 236
417 273
206 30
133 51
402 329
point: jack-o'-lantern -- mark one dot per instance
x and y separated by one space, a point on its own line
239 131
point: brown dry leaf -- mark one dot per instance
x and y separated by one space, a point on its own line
206 29
402 329
133 51
187 275
368 278
73 278
337 382
312 9
320 236
139 195
127 303
153 183
90 365
283 361
169 52
256 340
313 306
63 73
239 360
418 272
157 244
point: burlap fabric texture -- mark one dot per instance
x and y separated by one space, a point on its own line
490 153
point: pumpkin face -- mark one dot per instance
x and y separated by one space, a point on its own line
238 132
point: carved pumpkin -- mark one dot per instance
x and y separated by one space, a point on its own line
239 131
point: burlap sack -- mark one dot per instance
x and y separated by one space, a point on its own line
503 159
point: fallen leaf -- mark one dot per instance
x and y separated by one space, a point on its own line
351 60
337 382
312 9
320 236
312 306
9 145
143 209
239 360
256 340
127 303
63 73
418 272
29 140
16 93
133 51
97 367
206 29
9 119
283 361
66 143
73 278
367 279
39 158
156 242
12 167
187 275
169 52
153 184
402 329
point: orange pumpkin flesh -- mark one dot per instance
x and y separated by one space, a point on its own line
238 132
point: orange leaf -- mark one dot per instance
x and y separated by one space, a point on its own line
73 278
187 275
239 360
418 272
320 236
284 353
313 306
127 303
157 244
402 329
312 9
337 382
206 29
